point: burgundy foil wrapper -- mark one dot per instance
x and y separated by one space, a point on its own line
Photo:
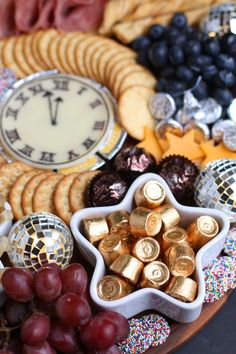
106 188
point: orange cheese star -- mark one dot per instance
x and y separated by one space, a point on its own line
185 146
150 144
215 152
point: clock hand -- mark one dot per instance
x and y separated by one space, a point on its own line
48 94
58 100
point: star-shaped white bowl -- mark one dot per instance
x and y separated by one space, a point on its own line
148 298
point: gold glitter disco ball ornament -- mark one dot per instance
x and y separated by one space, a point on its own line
39 239
215 187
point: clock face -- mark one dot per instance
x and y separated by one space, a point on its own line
55 120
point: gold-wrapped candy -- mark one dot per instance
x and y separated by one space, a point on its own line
145 222
180 260
111 247
202 230
155 275
150 195
118 222
146 249
169 215
174 236
128 267
184 289
112 287
95 229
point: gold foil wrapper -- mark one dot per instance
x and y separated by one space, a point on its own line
151 195
145 222
204 229
174 236
155 275
170 216
95 229
111 247
180 260
112 287
128 267
146 249
184 289
118 223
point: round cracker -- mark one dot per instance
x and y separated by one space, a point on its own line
16 192
8 57
28 53
78 189
112 60
28 192
20 56
62 50
137 79
53 53
43 195
95 58
2 42
43 47
70 51
120 69
88 52
36 36
9 173
79 53
61 197
133 111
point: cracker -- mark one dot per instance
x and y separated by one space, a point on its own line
61 197
61 50
2 42
133 111
126 32
43 195
8 57
15 195
28 192
89 50
20 56
79 53
144 78
43 47
9 174
53 53
114 59
36 36
95 59
70 51
28 53
78 189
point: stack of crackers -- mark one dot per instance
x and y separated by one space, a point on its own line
127 19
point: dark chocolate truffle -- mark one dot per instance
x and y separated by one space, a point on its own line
180 174
134 161
106 188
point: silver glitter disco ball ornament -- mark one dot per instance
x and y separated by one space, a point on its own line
39 239
220 20
215 187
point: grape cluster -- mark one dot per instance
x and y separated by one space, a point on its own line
50 310
179 54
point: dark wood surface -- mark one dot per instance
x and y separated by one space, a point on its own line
182 333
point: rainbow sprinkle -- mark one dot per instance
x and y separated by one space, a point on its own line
7 79
230 243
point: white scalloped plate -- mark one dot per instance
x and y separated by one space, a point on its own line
148 299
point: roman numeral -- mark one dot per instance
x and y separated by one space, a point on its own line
38 88
95 104
83 89
88 143
99 125
72 155
12 135
21 97
47 156
27 150
61 85
12 113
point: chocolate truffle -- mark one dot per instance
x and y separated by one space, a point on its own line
106 188
134 161
180 174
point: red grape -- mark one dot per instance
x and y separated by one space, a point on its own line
52 266
15 312
63 338
35 329
112 350
18 284
72 310
74 279
121 323
47 284
98 334
40 348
